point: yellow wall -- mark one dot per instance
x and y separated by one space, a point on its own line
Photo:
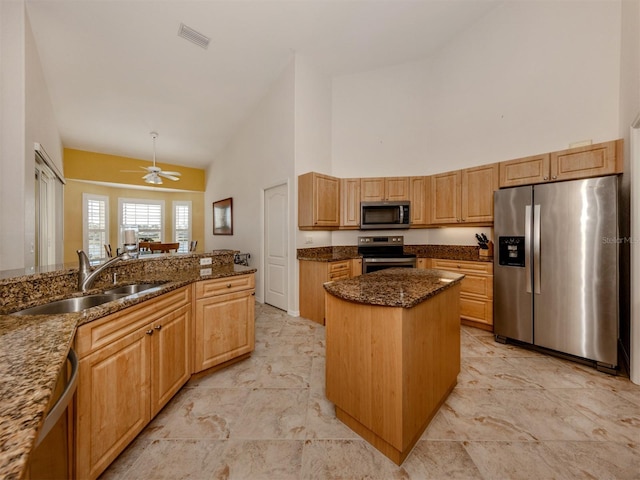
73 213
82 168
99 167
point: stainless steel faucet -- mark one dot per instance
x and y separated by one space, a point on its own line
87 275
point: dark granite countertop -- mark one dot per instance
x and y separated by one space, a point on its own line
33 348
446 252
393 287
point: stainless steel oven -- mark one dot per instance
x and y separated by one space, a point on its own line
382 252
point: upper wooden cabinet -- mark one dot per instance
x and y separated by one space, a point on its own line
384 188
419 188
580 162
318 201
350 202
464 196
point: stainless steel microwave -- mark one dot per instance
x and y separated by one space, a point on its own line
384 215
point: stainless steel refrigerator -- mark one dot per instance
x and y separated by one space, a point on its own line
556 268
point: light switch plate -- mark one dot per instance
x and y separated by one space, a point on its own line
206 261
205 271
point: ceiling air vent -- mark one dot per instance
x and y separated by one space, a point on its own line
194 37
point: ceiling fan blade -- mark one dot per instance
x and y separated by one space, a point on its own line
170 177
175 174
129 171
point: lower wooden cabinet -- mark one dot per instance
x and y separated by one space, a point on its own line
131 363
224 320
312 276
476 293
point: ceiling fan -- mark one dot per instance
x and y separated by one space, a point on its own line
155 174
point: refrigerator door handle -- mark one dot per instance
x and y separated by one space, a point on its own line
536 249
527 247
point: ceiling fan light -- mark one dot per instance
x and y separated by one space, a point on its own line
154 180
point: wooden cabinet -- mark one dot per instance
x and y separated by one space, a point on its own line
350 202
464 196
423 263
312 276
318 201
580 162
131 363
224 320
356 267
384 188
419 194
476 294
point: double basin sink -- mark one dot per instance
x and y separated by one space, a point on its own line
78 304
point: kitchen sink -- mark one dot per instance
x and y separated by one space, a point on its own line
71 305
131 289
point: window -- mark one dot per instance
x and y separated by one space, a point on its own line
95 225
182 224
147 215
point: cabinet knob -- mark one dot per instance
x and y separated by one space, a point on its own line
546 178
158 327
228 285
554 177
149 332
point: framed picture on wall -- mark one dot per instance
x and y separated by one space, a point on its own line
223 217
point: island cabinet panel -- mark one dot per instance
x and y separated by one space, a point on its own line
389 369
224 321
476 294
318 201
131 363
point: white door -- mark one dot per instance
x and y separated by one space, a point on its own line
276 233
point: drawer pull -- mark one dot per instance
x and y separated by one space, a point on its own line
149 332
158 327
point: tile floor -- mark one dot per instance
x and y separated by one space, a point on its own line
515 414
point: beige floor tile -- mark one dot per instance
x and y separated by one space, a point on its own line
440 460
260 460
284 372
322 422
240 374
271 414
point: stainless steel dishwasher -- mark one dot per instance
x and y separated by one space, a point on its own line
51 458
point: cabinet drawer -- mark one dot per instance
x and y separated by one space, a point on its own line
99 333
221 286
463 266
480 285
476 310
338 276
339 267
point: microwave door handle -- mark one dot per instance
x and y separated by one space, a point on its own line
401 213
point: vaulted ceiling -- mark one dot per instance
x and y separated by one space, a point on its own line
117 69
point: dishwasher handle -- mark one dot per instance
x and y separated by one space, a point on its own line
63 402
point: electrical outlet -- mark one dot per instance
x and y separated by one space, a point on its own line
206 261
205 271
308 239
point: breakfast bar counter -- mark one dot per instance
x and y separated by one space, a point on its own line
392 353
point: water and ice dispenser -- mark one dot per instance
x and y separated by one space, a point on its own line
511 251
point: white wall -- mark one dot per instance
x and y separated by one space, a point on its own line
260 155
529 77
12 135
630 185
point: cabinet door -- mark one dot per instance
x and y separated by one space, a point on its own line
419 194
478 185
356 267
170 356
372 189
318 200
445 198
423 263
396 188
224 328
589 161
524 171
350 202
112 402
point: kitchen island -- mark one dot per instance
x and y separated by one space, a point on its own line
392 353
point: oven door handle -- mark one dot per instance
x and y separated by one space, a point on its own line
389 260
